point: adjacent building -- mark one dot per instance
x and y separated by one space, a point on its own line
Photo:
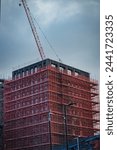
47 102
1 113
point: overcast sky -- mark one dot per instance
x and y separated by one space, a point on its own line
71 26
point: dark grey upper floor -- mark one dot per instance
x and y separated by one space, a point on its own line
45 63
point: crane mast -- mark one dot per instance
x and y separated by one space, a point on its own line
33 28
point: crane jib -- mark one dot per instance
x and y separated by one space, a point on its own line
33 28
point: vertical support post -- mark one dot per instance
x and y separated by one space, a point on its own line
65 121
49 118
78 143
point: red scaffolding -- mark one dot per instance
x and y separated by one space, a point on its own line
34 116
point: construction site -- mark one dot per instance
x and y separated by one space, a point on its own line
35 103
49 105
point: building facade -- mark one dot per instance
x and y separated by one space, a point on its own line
35 99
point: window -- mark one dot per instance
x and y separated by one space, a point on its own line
35 69
69 72
61 69
32 71
23 74
53 65
26 72
76 73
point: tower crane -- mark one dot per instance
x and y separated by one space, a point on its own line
33 28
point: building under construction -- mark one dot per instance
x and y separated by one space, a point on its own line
35 101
